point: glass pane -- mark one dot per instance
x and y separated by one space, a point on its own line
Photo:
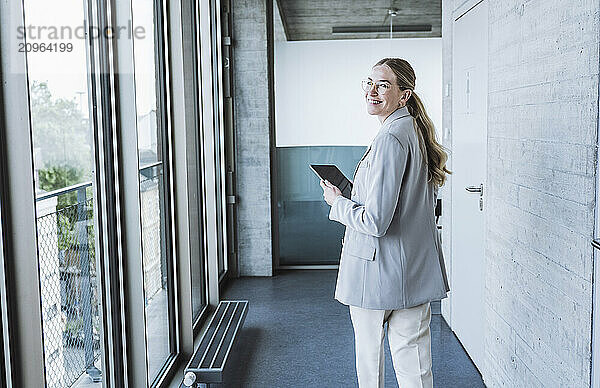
215 46
198 286
63 163
153 186
3 382
197 258
303 215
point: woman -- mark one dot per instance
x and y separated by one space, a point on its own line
391 265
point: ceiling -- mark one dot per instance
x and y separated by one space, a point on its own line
314 19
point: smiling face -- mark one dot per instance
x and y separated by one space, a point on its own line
382 105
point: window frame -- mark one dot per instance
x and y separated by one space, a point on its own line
218 125
111 89
194 131
128 164
18 211
164 106
121 153
208 145
5 341
225 49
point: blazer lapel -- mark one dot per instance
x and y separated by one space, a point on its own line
359 162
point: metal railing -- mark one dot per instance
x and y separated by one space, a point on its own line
69 290
70 306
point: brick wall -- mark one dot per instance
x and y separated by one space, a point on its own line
542 129
252 123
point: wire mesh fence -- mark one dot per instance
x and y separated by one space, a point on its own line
70 313
153 231
67 265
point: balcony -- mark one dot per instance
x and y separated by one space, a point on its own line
68 282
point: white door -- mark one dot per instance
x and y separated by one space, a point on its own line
596 300
469 134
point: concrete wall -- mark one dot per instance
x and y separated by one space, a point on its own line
252 136
542 131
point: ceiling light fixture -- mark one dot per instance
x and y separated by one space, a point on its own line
380 29
392 12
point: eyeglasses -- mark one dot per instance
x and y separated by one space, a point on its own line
381 87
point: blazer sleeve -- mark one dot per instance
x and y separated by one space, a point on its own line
383 184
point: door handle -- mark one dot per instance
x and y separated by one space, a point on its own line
475 189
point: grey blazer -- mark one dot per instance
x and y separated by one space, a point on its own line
391 254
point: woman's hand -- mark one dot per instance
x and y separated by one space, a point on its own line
330 192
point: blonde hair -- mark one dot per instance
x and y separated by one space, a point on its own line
433 153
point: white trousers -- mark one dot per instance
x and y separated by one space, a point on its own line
410 345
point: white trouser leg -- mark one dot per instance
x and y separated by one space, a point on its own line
410 344
368 342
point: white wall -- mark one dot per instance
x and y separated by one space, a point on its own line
318 98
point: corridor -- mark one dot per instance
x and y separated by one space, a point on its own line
297 335
157 157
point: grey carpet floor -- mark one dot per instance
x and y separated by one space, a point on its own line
297 335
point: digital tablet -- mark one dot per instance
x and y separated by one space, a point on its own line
331 173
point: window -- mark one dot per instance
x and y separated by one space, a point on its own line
219 134
98 220
4 363
153 138
221 21
198 256
63 157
